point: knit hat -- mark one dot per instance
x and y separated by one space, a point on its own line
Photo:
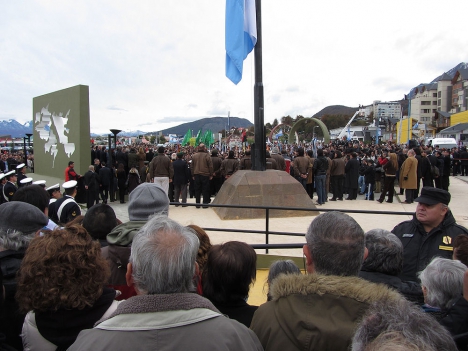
21 216
146 200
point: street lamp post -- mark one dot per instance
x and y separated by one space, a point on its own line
28 136
115 132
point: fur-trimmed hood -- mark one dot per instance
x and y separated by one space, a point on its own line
351 287
316 312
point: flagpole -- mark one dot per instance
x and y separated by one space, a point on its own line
259 154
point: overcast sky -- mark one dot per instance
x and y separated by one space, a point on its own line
154 64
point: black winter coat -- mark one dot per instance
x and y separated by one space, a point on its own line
352 174
420 247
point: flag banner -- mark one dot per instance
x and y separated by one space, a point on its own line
241 35
173 139
187 137
199 138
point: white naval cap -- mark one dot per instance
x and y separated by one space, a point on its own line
70 184
55 186
40 182
27 180
21 165
10 173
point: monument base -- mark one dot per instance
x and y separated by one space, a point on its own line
256 188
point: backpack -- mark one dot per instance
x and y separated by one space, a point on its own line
434 171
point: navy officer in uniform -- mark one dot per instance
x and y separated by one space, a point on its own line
9 189
430 233
2 183
54 194
21 174
24 182
66 207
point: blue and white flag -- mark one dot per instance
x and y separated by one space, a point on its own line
416 125
173 139
241 35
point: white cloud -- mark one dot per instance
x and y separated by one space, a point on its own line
146 61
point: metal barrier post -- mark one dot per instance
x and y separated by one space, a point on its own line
267 226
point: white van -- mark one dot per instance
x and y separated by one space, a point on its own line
446 143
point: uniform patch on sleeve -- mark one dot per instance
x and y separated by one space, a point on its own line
447 240
445 248
408 235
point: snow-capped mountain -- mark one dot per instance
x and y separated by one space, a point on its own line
451 72
15 129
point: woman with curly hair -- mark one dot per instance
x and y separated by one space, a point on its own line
61 283
202 255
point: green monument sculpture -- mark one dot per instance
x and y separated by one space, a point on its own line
61 131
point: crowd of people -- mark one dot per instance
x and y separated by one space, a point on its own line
90 282
95 283
338 168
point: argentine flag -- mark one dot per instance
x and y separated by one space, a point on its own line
241 35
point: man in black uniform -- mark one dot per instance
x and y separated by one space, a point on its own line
430 233
55 194
105 177
21 174
91 182
66 207
2 183
10 187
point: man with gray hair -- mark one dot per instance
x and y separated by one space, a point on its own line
166 314
400 326
320 311
385 262
442 284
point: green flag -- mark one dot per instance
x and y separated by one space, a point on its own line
187 137
208 138
199 138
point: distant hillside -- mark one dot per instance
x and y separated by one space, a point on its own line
215 124
336 110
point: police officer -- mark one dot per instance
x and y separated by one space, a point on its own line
430 233
66 207
9 189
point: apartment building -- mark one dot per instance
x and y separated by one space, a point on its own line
424 103
459 91
385 110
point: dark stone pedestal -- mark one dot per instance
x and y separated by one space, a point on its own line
267 188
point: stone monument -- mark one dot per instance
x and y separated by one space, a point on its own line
61 131
267 188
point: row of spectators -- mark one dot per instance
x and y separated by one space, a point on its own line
99 284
